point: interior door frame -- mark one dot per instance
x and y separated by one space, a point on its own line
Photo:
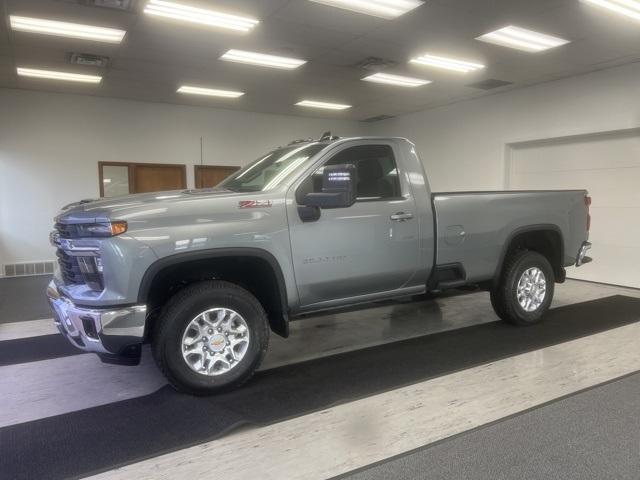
199 168
132 172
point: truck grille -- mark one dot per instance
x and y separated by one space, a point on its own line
69 268
78 269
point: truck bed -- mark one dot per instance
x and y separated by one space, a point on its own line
472 228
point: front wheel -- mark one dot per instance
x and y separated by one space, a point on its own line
211 336
525 290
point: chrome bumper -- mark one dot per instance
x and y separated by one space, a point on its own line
116 335
582 258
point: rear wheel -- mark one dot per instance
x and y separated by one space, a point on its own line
525 290
210 337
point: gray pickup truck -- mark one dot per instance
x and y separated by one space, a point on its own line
205 275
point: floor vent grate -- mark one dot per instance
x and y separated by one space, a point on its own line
27 269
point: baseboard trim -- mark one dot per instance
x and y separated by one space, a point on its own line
27 269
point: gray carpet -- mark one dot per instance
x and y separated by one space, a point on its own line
591 435
23 298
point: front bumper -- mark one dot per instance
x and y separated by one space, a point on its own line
116 335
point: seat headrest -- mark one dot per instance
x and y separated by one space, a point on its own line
369 169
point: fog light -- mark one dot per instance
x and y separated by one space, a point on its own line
89 327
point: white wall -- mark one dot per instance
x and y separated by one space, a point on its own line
463 145
50 145
608 165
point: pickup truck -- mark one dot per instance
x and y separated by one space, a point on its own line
206 275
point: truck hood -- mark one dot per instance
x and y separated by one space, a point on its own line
105 209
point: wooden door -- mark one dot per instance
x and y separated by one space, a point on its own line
210 175
121 178
156 178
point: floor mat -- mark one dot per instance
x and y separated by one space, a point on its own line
108 436
34 349
592 435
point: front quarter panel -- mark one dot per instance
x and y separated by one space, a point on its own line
235 221
125 260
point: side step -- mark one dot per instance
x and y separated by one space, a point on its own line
446 276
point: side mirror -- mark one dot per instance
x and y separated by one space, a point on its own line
338 188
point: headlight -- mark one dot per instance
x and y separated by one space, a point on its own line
107 229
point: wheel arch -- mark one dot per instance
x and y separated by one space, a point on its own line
267 283
546 239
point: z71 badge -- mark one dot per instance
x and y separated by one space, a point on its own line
254 203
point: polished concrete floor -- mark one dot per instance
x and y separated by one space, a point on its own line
355 434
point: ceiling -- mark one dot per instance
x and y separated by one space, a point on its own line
159 55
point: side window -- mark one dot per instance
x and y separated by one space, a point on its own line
376 169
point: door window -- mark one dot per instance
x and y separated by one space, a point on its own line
377 174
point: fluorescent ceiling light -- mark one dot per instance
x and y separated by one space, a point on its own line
630 8
211 92
202 16
398 80
253 58
379 8
446 63
53 75
522 39
316 104
65 29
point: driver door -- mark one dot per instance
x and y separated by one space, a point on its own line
370 247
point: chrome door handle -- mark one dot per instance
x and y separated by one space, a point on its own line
401 216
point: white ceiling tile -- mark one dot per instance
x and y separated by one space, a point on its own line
158 55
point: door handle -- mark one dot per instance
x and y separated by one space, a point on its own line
401 216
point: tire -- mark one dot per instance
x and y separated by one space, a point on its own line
504 298
242 316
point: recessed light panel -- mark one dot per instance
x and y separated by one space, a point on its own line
54 75
65 29
397 80
629 8
446 63
387 9
212 18
326 105
261 59
210 92
522 39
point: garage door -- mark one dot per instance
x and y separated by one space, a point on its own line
608 165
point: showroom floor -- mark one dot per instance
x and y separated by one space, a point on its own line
432 389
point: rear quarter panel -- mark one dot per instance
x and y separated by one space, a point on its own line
474 228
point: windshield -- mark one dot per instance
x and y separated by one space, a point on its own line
270 170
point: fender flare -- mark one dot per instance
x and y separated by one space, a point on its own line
281 328
520 231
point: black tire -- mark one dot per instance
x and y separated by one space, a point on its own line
166 342
504 298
